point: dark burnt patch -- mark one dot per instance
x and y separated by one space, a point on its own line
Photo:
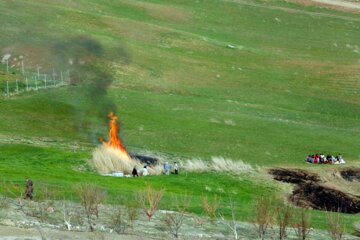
318 196
351 174
310 192
145 159
293 175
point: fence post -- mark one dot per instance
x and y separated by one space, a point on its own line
54 77
7 88
36 86
62 79
22 67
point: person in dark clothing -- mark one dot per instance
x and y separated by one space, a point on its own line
135 172
29 189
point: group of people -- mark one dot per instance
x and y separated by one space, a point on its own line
322 159
145 172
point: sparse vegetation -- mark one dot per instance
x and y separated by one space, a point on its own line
302 225
336 225
264 216
174 220
91 196
149 200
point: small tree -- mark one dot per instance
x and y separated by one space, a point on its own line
302 227
210 208
91 197
232 224
149 200
336 225
283 217
118 220
174 220
263 216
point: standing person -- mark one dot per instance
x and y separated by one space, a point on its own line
29 189
145 171
135 172
167 168
176 168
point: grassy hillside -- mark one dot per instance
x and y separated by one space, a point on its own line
267 82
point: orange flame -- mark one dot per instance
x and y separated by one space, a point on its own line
114 140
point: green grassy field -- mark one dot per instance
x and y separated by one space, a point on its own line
290 87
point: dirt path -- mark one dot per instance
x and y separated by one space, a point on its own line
339 3
15 233
297 11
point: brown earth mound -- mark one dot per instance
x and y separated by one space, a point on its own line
351 174
310 192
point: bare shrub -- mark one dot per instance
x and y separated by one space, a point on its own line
174 220
149 200
336 225
91 197
263 216
232 224
4 202
357 228
118 220
302 227
44 193
210 208
132 214
283 216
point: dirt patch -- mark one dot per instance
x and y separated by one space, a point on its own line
351 174
311 192
343 5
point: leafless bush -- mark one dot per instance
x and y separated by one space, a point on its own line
263 216
4 202
174 220
210 208
118 220
336 225
302 227
91 197
132 214
283 216
149 200
44 193
232 224
357 228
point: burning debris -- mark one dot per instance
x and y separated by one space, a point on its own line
111 156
